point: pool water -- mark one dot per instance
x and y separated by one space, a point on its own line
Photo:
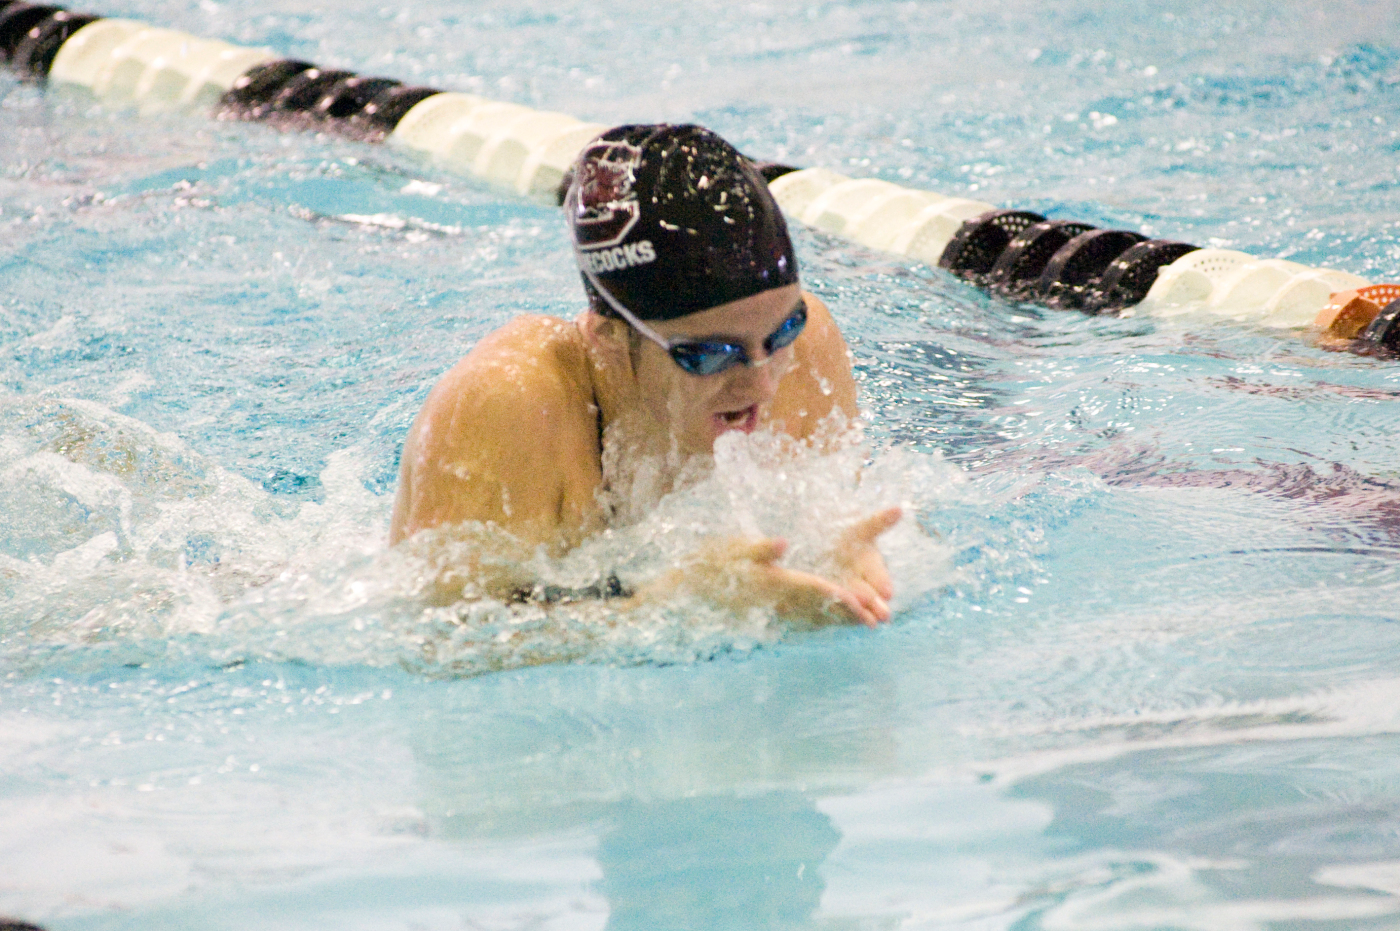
1145 665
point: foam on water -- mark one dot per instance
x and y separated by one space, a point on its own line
126 544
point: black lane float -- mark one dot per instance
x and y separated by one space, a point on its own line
1016 254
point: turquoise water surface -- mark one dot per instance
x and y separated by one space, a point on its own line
1145 666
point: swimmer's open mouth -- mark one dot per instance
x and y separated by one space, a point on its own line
745 419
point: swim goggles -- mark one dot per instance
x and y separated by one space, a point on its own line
710 357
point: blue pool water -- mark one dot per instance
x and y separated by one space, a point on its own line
1145 667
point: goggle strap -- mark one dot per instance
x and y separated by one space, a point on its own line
651 334
627 315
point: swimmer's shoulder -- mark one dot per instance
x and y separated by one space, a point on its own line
508 434
526 382
821 380
821 331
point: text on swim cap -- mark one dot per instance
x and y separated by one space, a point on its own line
617 258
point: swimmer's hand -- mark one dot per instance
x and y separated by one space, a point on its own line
861 567
743 573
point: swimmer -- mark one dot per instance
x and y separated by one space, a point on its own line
697 325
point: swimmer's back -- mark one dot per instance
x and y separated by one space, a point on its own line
509 435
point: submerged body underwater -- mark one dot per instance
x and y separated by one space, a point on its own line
1143 668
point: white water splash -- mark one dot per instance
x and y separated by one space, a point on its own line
129 540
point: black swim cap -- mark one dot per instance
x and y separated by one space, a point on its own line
672 220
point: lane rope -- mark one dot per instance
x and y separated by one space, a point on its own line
1017 254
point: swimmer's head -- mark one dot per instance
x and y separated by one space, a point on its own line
672 220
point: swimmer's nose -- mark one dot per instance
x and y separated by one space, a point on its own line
757 356
759 373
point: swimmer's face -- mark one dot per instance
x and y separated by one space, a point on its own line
696 409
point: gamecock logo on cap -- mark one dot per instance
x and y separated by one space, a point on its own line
607 207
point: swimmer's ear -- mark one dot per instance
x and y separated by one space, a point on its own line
608 337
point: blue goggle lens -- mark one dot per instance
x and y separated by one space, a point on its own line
713 358
788 330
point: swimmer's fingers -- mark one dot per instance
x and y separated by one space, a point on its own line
874 601
868 568
741 573
813 598
863 598
857 553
